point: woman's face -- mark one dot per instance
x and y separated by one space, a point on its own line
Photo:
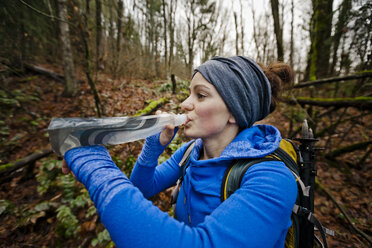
207 113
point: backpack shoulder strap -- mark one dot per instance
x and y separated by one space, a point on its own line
182 164
185 158
232 179
234 174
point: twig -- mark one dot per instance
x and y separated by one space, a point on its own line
341 207
42 13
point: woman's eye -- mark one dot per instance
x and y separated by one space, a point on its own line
200 96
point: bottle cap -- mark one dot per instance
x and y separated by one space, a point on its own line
180 119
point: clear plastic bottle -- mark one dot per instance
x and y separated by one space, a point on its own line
67 133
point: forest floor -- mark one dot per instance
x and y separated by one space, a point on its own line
39 99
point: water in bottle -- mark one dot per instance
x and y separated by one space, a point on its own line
67 133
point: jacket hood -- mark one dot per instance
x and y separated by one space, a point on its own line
254 142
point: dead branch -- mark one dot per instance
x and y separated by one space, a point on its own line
364 158
174 83
334 125
342 209
346 149
45 72
10 167
357 102
333 79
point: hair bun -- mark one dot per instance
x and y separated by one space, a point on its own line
278 74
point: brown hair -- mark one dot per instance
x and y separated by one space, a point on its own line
278 74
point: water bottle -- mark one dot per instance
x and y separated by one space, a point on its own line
67 133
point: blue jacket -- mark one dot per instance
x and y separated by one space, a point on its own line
256 215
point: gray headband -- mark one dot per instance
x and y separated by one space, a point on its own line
242 85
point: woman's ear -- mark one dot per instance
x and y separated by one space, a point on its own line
232 119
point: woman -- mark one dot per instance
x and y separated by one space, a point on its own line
227 95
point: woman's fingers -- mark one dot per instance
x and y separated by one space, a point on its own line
65 169
167 134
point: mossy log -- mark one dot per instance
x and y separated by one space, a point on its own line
152 107
357 102
360 75
10 167
346 149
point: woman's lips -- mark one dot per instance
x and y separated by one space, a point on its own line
187 121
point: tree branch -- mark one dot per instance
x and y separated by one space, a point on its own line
333 79
347 149
357 102
10 167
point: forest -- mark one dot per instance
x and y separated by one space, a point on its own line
112 58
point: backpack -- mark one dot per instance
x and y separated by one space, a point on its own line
301 162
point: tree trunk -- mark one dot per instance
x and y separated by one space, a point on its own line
291 53
255 35
118 38
236 34
278 29
87 12
241 27
67 59
172 10
99 48
172 7
321 43
165 38
340 29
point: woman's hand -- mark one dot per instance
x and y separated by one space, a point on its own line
168 133
65 169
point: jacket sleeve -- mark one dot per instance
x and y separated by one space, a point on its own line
254 216
150 177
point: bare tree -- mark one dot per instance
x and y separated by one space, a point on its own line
236 33
165 36
277 28
119 35
67 58
241 27
291 51
198 16
171 24
99 48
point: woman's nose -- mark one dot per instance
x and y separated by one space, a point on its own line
187 104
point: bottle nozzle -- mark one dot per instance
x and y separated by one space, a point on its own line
180 119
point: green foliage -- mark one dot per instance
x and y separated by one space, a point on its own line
74 196
182 86
176 143
68 224
102 238
6 206
129 164
91 211
81 200
30 215
26 29
47 174
16 98
67 183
